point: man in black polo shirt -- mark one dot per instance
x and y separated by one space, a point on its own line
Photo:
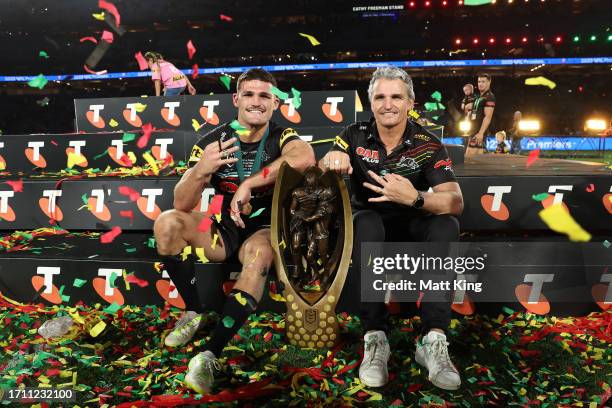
482 115
392 162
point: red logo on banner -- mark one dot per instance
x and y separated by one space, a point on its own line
137 122
39 162
164 289
295 115
99 286
175 121
142 206
501 214
54 297
98 123
607 202
522 292
54 213
213 120
105 215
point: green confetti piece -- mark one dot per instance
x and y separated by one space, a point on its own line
128 137
84 198
112 309
477 2
258 212
43 54
226 81
228 321
112 279
237 126
436 96
607 244
507 310
101 154
130 250
79 283
39 82
297 98
540 197
281 95
151 242
65 298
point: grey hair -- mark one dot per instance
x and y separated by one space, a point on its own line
391 72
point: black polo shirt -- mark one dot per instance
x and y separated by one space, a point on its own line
421 158
485 100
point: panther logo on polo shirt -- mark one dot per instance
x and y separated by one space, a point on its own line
408 162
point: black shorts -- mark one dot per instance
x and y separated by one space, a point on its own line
233 236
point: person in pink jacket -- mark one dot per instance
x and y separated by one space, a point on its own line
164 72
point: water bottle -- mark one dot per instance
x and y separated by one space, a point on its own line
55 327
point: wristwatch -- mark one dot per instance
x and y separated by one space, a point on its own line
418 201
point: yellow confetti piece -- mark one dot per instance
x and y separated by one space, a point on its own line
43 379
186 252
414 114
200 253
218 217
540 81
311 38
241 299
196 125
127 284
97 329
98 16
140 107
151 161
277 297
132 157
74 158
113 123
282 244
75 316
214 241
559 220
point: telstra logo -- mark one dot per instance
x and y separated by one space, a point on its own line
94 117
33 154
493 204
289 112
330 108
207 111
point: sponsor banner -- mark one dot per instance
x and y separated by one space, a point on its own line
55 152
205 112
491 203
558 143
534 274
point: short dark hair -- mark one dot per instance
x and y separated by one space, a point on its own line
155 56
255 74
484 75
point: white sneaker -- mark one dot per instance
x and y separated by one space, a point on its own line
432 352
200 375
373 370
184 330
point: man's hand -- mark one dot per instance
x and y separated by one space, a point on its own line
240 204
339 162
215 155
392 188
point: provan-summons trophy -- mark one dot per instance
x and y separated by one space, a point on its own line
312 236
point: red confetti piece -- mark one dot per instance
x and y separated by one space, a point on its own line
590 188
53 142
418 303
110 7
533 157
190 49
129 192
109 236
17 185
52 372
216 204
195 69
131 278
92 39
205 224
147 128
268 336
266 171
223 17
108 36
142 62
91 71
128 214
125 159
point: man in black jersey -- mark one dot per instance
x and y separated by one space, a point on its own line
393 162
241 161
481 115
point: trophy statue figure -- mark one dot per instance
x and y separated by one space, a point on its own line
312 234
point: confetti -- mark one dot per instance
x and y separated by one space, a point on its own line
131 278
590 188
281 95
140 107
533 157
223 17
607 243
43 54
266 172
296 98
204 224
129 192
190 49
241 299
112 309
540 197
92 39
228 321
151 162
196 126
39 82
146 134
195 70
98 16
110 7
476 2
540 81
256 213
16 185
128 214
109 236
226 80
97 329
113 123
78 283
559 220
128 137
310 38
108 36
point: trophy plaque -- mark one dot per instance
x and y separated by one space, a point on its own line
312 238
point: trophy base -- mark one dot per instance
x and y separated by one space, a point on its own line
312 326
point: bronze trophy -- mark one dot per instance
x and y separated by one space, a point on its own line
312 237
